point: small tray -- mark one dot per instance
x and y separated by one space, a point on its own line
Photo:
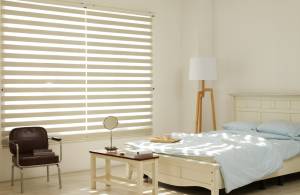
162 140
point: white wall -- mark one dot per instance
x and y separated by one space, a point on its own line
196 42
167 81
257 46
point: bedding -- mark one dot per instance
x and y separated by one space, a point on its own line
280 128
245 156
287 148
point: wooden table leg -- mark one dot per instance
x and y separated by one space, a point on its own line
108 170
155 177
140 181
93 171
128 171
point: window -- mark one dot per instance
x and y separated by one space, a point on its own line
67 66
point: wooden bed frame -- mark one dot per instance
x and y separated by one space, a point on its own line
257 108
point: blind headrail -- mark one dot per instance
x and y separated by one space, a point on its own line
90 7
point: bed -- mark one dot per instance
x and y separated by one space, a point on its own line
259 108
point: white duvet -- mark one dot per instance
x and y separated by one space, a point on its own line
244 156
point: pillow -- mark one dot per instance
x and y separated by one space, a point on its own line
280 128
241 125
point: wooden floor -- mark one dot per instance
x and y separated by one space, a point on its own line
79 183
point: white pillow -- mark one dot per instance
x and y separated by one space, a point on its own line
280 128
241 125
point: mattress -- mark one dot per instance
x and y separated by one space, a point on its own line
287 148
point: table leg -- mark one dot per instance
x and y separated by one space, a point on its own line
140 182
128 171
108 170
93 171
155 177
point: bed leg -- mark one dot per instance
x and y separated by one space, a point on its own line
215 188
215 182
280 181
263 184
214 192
222 192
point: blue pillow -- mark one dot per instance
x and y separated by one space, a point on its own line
241 125
280 128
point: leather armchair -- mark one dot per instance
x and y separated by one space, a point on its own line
22 142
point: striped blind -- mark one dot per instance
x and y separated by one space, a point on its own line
67 66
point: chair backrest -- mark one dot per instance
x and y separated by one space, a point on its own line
29 138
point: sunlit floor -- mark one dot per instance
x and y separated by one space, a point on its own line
79 183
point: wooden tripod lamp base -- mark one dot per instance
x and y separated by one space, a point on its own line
200 95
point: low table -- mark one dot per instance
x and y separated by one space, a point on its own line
139 163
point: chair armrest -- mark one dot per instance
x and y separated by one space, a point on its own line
13 141
55 139
58 140
16 143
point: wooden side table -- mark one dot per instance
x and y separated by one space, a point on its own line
139 163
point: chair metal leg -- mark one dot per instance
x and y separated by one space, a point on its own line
47 173
21 180
12 175
59 177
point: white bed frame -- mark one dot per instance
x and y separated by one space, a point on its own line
257 108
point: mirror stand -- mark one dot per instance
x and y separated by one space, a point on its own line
110 123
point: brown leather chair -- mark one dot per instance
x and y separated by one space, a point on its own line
22 142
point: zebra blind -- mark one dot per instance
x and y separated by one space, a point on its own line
67 66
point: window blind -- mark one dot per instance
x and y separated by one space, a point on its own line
67 66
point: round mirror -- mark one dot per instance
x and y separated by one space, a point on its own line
110 122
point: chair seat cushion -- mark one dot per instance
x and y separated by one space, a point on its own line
29 159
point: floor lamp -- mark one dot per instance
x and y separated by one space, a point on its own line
203 69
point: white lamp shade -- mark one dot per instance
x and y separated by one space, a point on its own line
203 69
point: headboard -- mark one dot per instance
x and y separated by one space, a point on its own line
261 108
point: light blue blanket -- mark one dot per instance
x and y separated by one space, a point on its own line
245 156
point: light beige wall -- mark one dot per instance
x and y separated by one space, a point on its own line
257 46
167 81
196 42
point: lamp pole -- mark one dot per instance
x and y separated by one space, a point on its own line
200 95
